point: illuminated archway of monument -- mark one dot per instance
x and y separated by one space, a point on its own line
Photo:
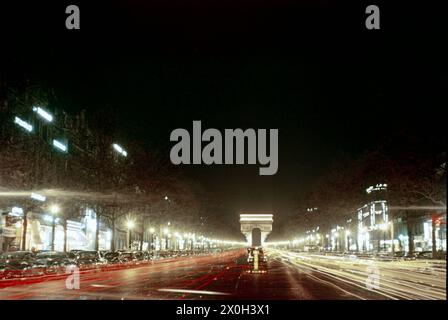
251 222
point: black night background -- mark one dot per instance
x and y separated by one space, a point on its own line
336 92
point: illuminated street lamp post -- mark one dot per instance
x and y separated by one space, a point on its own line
54 209
37 197
44 114
151 238
130 225
23 124
166 232
347 234
336 235
119 149
392 236
383 228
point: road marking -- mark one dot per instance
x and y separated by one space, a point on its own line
195 292
101 286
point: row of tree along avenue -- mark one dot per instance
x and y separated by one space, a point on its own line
408 177
83 162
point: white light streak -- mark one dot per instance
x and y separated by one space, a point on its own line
25 125
44 114
59 145
38 197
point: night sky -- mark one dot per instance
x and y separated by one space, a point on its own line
309 68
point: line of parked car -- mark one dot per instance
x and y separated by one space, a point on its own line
26 263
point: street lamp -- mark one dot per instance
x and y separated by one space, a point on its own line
383 227
120 150
336 235
130 224
60 145
166 232
347 235
151 238
43 114
54 209
25 125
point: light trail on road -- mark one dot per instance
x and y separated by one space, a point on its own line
176 278
424 279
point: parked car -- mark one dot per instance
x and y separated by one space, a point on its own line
16 264
88 259
103 253
138 255
424 255
142 255
112 257
147 256
399 254
74 252
127 256
51 262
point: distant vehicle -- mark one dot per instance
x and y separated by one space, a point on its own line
261 256
16 264
311 248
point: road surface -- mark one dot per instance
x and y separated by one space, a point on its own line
289 276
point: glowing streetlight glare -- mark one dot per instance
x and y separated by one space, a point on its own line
152 230
43 114
54 209
120 150
347 232
130 224
166 231
17 211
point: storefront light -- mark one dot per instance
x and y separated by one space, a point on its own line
16 211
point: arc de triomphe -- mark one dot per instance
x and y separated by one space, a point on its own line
256 227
